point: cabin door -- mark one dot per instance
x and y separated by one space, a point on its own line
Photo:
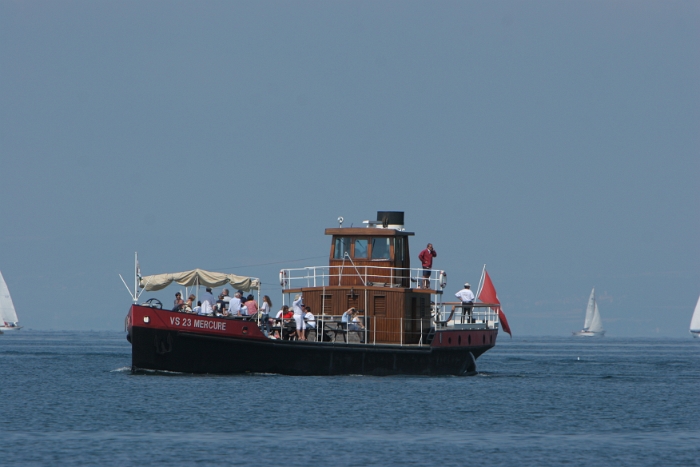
402 261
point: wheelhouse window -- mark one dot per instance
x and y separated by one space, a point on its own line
342 246
380 248
360 248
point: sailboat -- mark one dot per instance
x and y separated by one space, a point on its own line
592 325
695 320
8 315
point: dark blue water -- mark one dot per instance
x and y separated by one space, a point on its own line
69 398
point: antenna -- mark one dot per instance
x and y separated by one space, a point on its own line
137 276
340 221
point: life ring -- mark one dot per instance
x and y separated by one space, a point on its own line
442 279
283 278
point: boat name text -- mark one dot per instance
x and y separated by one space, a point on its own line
198 323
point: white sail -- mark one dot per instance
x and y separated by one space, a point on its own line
695 320
7 308
596 323
589 311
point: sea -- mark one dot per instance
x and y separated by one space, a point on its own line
70 398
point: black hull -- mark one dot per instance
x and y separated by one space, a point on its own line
155 349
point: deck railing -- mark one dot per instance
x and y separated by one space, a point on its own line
320 276
451 314
402 331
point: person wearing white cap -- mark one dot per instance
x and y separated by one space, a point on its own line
467 298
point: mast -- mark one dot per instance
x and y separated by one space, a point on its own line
137 273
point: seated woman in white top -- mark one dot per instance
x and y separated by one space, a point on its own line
310 321
356 324
310 318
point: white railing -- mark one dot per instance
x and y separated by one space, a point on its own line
401 331
320 276
455 314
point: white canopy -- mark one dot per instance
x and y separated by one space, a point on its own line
198 277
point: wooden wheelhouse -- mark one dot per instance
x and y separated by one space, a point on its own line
369 269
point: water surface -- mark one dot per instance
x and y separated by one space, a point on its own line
69 397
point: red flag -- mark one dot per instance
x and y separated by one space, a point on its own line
488 295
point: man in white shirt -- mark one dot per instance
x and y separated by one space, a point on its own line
206 309
467 298
234 306
208 297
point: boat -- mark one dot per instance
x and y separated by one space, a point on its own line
7 309
695 320
592 324
403 325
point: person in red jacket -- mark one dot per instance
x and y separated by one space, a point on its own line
426 260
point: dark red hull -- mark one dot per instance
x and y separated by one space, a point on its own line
161 341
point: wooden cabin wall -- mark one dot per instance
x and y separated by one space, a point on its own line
395 314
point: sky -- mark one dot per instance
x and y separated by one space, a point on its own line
555 142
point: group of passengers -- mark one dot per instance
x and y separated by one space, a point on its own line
237 306
304 321
207 305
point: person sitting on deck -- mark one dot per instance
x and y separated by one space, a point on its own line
198 308
179 302
234 305
205 309
189 304
226 298
209 297
347 317
220 304
310 320
284 314
356 324
283 317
